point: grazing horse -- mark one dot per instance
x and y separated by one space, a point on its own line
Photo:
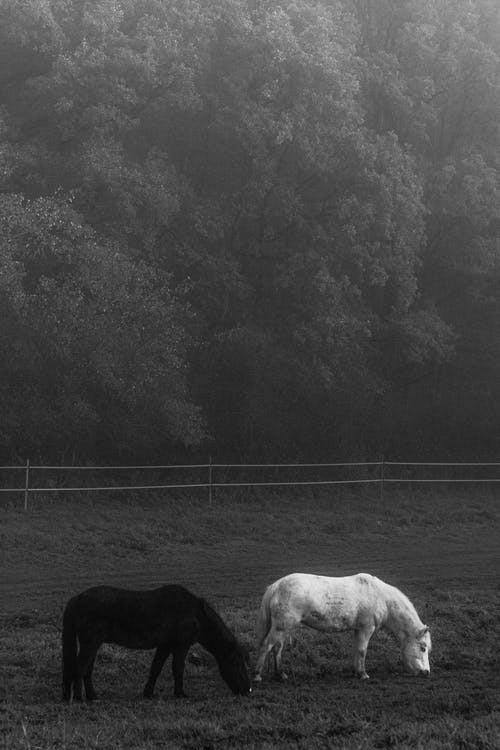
361 603
169 619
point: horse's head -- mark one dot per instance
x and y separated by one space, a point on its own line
233 666
416 650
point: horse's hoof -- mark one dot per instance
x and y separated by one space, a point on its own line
257 678
364 676
282 677
181 694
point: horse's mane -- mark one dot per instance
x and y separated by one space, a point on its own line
401 598
216 624
400 605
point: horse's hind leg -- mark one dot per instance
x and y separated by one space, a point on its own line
278 652
265 648
159 659
87 681
84 667
78 678
274 639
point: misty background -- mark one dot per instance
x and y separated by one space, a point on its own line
250 228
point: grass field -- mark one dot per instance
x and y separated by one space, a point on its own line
441 548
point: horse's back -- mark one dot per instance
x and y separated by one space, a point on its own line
139 619
311 582
327 603
105 597
116 614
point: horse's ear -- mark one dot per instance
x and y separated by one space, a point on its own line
424 631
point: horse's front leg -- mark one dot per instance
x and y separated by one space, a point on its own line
178 661
159 659
361 639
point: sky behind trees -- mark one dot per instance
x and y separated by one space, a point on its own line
267 228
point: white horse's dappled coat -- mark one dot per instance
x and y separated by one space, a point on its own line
362 603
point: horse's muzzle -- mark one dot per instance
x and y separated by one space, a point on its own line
424 673
243 691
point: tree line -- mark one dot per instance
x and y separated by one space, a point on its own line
254 227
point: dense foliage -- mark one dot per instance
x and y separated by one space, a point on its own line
270 225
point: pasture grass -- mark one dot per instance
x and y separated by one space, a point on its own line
441 548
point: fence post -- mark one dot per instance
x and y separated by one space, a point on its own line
26 485
382 474
210 480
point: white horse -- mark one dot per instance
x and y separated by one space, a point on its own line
361 603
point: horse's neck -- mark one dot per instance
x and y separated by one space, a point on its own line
215 635
402 619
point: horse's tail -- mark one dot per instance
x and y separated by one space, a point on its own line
69 650
264 618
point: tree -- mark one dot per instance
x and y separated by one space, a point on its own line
95 347
302 196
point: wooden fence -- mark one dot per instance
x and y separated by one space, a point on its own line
369 472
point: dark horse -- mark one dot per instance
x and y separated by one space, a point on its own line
169 619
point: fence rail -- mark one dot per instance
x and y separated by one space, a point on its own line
377 472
